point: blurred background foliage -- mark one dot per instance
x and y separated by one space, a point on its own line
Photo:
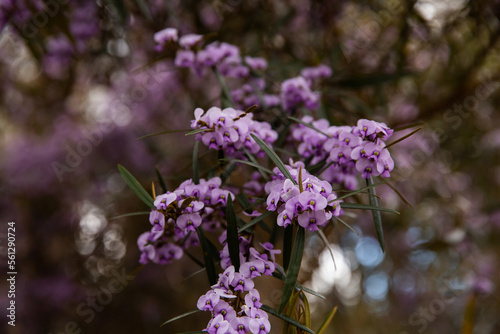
74 69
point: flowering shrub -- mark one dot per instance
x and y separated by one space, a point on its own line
299 196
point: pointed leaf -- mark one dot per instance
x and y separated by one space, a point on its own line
136 187
233 243
209 263
403 138
162 133
283 317
287 246
267 170
226 94
281 276
310 126
274 157
345 205
179 317
255 221
377 218
253 160
307 310
327 245
327 321
143 6
160 180
196 165
294 267
197 131
359 190
139 213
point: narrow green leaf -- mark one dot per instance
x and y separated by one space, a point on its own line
327 245
307 310
283 317
404 127
209 263
287 246
377 218
196 164
160 180
280 274
274 157
403 198
233 243
316 167
226 94
162 133
253 160
294 267
345 205
267 170
244 202
346 225
327 321
143 6
195 132
255 221
359 190
403 138
310 126
139 213
179 317
136 187
292 304
194 274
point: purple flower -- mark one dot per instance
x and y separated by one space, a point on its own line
240 324
259 326
190 40
311 220
284 218
256 64
242 283
252 299
166 35
164 200
224 309
218 325
208 301
157 218
189 221
167 253
184 58
367 168
312 201
252 268
318 72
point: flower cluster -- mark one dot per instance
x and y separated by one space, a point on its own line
177 215
297 92
229 130
349 150
309 201
234 302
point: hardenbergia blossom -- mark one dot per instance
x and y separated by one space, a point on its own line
176 217
229 130
309 201
233 301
